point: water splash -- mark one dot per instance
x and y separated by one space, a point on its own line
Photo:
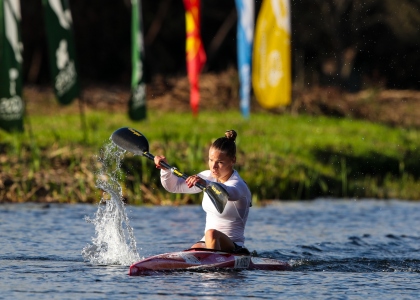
114 243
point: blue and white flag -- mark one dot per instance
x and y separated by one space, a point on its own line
245 35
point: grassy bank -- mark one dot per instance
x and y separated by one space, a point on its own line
280 156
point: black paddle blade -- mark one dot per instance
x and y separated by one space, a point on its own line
218 195
130 140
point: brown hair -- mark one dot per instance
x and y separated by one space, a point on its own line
226 144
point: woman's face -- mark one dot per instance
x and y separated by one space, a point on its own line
220 164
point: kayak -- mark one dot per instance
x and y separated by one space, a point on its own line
204 259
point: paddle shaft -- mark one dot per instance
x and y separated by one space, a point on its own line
135 142
172 169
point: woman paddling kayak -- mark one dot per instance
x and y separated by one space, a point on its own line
225 231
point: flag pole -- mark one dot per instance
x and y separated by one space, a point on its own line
83 120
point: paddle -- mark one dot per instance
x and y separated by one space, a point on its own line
135 142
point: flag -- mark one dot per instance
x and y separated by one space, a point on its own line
196 57
11 48
137 102
245 35
271 65
58 24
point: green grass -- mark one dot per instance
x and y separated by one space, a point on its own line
280 156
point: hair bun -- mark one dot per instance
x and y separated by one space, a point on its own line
231 134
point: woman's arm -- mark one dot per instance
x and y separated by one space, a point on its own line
175 184
238 190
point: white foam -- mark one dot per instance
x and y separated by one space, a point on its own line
114 242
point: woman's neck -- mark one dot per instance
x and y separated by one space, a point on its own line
225 178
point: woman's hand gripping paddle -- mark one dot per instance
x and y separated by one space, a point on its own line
135 142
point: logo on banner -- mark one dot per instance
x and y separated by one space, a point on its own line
246 85
67 75
12 108
247 19
139 96
281 13
64 16
11 17
275 72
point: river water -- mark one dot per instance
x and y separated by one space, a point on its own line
339 249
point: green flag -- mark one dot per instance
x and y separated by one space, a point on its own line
137 103
11 103
58 24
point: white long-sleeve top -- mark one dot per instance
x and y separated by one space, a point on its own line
233 219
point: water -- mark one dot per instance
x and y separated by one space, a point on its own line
114 243
339 249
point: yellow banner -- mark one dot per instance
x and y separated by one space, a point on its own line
271 63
